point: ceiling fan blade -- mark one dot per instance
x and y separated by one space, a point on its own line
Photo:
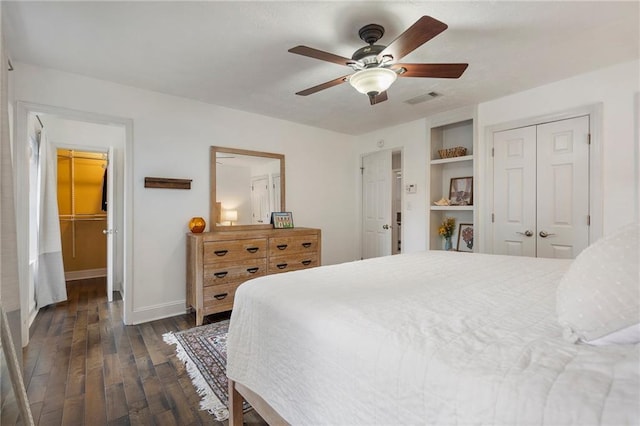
320 54
323 86
380 97
415 36
431 70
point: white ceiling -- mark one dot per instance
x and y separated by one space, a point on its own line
234 53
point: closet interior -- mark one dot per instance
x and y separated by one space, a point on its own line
82 206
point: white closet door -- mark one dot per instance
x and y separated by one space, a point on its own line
514 192
376 205
563 188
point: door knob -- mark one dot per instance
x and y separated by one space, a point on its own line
526 233
544 234
386 226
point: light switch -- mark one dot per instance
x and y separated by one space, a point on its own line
411 188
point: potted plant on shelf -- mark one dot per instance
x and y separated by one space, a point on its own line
446 231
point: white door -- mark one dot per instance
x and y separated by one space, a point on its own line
376 204
260 199
277 197
111 230
541 189
514 192
563 188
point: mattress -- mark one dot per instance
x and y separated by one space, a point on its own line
429 338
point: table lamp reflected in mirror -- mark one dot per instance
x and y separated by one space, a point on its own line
230 216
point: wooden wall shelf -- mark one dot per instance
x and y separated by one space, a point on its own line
156 182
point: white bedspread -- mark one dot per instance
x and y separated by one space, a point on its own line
438 338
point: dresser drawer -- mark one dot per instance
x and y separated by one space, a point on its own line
225 272
222 251
219 298
294 244
292 262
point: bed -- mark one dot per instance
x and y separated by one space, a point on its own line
430 338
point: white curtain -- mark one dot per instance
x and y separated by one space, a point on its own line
49 270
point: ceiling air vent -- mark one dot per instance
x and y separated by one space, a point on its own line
422 98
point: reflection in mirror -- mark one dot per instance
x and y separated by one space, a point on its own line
246 186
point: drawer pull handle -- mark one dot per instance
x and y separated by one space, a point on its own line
221 296
306 262
281 246
252 249
220 274
252 270
306 245
281 265
221 252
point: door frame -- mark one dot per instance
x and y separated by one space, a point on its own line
399 149
23 109
596 207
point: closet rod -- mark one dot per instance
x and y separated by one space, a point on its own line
80 156
99 215
82 219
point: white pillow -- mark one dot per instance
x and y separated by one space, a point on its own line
600 293
626 336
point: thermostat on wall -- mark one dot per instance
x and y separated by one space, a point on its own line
411 188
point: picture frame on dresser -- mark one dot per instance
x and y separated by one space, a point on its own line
465 237
282 220
461 191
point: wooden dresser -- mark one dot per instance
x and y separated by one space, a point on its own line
218 262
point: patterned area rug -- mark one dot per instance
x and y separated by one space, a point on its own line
204 352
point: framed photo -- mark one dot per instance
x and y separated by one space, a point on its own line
461 191
281 220
465 237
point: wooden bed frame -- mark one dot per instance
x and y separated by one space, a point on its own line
239 393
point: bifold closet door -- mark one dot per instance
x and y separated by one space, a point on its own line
541 189
514 192
563 188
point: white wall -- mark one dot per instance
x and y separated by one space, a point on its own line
615 87
171 138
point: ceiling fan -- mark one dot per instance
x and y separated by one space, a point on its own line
376 66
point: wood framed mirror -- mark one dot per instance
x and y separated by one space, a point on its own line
246 187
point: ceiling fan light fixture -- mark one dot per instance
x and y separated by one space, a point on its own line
373 81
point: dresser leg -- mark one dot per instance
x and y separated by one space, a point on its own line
199 317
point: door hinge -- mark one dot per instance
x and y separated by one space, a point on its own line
493 151
493 218
589 138
362 170
588 220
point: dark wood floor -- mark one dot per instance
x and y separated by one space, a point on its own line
83 366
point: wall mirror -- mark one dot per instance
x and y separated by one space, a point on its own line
246 186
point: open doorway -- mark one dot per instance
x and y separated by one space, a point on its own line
103 140
82 207
381 203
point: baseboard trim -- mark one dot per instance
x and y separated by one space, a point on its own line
156 312
85 273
